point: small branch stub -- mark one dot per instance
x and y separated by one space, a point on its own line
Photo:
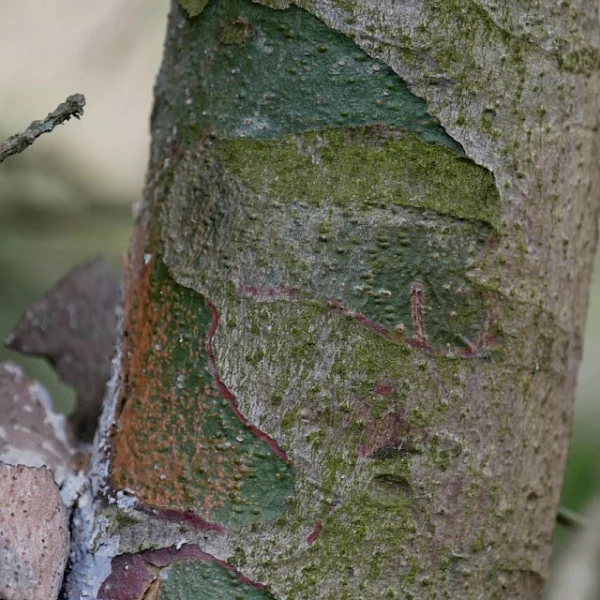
71 107
570 518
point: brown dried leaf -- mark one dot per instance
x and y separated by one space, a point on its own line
34 534
30 432
74 326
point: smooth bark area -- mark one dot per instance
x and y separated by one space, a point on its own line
355 303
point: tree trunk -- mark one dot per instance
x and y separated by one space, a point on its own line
355 304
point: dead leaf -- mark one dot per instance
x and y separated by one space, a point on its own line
74 326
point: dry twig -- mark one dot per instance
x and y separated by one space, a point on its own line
71 107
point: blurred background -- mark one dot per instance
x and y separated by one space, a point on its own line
69 197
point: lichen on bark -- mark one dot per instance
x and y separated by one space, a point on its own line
372 199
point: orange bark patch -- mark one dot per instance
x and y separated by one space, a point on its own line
181 443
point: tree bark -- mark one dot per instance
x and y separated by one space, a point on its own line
355 303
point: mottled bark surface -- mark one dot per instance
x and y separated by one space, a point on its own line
355 304
34 534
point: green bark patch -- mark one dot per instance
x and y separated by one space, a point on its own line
177 574
359 217
280 72
182 444
194 580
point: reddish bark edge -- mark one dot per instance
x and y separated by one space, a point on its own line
314 534
226 393
187 517
278 292
418 342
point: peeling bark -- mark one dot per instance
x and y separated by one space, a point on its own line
355 303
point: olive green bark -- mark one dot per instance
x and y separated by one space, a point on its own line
367 235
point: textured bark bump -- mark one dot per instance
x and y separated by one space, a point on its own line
516 85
